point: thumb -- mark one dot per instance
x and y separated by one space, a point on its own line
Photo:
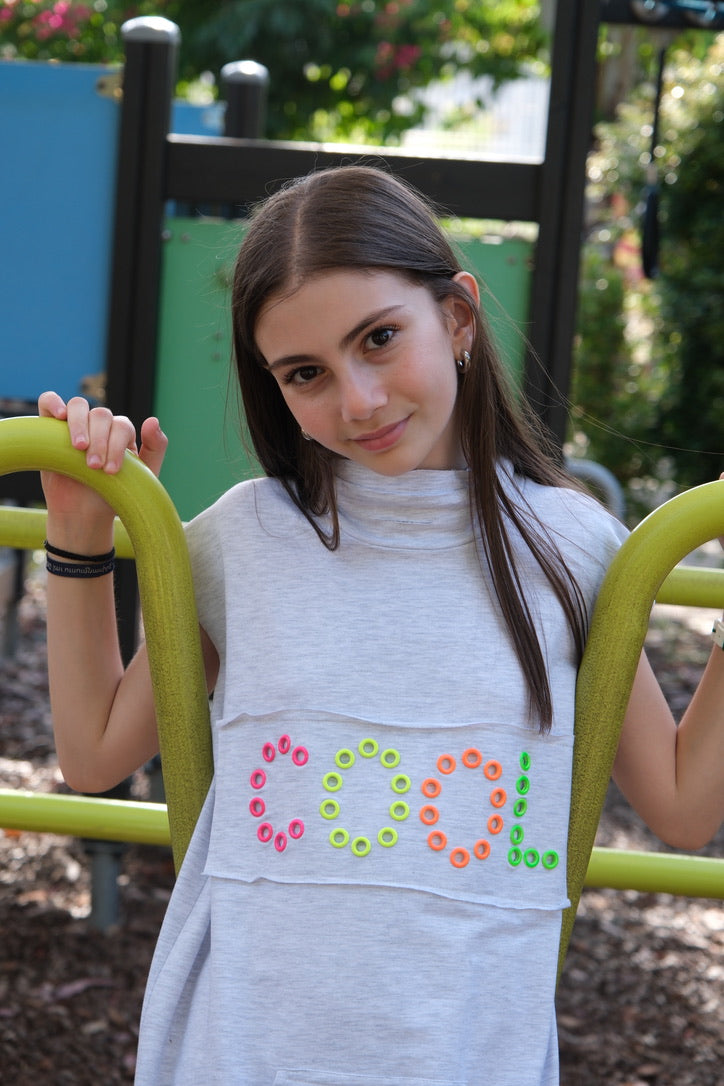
153 445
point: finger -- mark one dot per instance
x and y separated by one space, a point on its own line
103 435
52 406
77 412
119 436
153 445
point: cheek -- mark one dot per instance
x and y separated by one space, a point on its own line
308 414
438 379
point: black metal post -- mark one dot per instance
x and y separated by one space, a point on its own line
554 286
151 46
149 76
246 85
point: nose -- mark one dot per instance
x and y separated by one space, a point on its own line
362 392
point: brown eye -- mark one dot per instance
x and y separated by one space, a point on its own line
301 376
381 336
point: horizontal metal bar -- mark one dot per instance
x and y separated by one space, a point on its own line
147 823
693 586
24 529
84 816
689 586
656 872
238 171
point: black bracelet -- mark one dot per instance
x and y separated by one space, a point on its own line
100 558
79 569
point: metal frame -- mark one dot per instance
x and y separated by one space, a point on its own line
163 166
113 820
666 14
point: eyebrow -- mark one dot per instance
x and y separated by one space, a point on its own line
347 339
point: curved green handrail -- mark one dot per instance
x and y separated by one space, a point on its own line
618 628
167 598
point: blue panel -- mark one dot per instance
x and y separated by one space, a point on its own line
58 139
192 119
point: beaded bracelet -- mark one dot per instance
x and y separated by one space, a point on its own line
79 569
89 558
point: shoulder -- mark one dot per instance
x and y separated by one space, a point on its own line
229 543
244 520
584 531
253 500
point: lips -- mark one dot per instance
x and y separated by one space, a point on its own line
384 438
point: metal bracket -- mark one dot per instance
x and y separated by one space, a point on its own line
110 85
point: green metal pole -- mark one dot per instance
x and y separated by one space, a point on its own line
167 598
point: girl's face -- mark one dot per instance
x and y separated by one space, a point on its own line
366 364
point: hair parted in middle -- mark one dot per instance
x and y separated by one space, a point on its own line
362 218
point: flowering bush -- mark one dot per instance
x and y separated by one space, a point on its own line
349 68
338 68
64 30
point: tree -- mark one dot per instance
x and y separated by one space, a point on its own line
338 68
649 362
65 30
347 68
691 286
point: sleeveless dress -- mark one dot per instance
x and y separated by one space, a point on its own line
373 893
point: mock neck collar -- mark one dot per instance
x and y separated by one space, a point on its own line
420 510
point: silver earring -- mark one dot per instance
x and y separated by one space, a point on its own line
463 362
305 435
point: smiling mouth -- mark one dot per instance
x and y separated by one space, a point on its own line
383 438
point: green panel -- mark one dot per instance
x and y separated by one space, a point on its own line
196 395
503 266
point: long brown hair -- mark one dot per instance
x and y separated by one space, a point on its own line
362 217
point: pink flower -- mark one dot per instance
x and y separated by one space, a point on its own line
407 56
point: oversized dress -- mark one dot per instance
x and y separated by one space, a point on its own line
373 893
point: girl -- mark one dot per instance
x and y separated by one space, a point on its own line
391 621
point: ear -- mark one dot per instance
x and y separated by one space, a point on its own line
459 315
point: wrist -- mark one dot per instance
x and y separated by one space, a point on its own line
79 536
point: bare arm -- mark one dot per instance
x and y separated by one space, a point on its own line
103 716
674 777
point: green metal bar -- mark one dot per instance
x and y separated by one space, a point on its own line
688 586
24 529
167 598
638 575
656 872
147 823
693 586
84 816
605 677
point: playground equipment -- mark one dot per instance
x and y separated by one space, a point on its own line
156 165
164 579
639 574
157 168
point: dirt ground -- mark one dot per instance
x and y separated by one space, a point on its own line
640 1003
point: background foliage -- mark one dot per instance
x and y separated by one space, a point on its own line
648 377
648 383
337 69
